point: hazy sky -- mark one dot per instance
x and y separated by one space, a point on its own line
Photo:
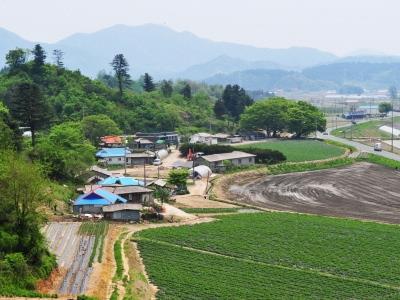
339 26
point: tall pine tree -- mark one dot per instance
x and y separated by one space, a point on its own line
29 107
121 68
235 100
186 91
148 84
166 88
39 58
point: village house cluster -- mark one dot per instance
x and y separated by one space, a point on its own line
118 197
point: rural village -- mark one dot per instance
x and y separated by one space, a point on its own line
217 150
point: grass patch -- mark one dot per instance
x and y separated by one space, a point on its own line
191 210
115 294
99 230
118 258
137 287
339 144
274 255
308 166
300 150
380 160
366 129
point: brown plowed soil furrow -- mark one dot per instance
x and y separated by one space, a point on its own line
361 191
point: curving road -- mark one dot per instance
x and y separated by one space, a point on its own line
360 147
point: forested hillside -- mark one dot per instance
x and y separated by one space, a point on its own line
71 96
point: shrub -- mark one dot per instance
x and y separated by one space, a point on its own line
266 156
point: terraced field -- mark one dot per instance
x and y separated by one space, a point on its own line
362 190
75 248
274 255
300 150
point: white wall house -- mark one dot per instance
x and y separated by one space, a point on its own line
203 138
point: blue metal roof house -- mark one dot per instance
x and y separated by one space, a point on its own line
113 156
121 181
92 202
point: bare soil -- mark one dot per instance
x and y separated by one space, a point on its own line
100 282
361 191
198 197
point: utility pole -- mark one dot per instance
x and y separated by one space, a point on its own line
351 128
144 172
392 123
125 159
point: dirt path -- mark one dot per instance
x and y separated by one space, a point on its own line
100 284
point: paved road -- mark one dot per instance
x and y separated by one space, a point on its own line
360 147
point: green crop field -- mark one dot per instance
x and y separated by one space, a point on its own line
300 150
274 255
368 129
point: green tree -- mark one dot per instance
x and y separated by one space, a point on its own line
15 59
219 108
22 190
29 107
148 84
39 58
269 115
304 118
58 58
235 100
178 177
96 126
166 88
385 107
64 152
162 194
121 68
186 91
10 135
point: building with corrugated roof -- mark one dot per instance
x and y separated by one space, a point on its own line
216 162
113 156
93 201
123 212
121 181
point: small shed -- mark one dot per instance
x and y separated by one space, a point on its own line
123 212
143 143
135 159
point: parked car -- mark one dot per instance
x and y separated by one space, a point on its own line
378 147
157 162
325 133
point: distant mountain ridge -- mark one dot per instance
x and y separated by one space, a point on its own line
323 77
166 53
161 51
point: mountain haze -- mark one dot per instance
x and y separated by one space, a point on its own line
161 51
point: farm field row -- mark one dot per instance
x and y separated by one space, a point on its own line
300 150
275 255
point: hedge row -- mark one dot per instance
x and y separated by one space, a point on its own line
263 156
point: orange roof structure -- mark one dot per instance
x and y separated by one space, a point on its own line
111 139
